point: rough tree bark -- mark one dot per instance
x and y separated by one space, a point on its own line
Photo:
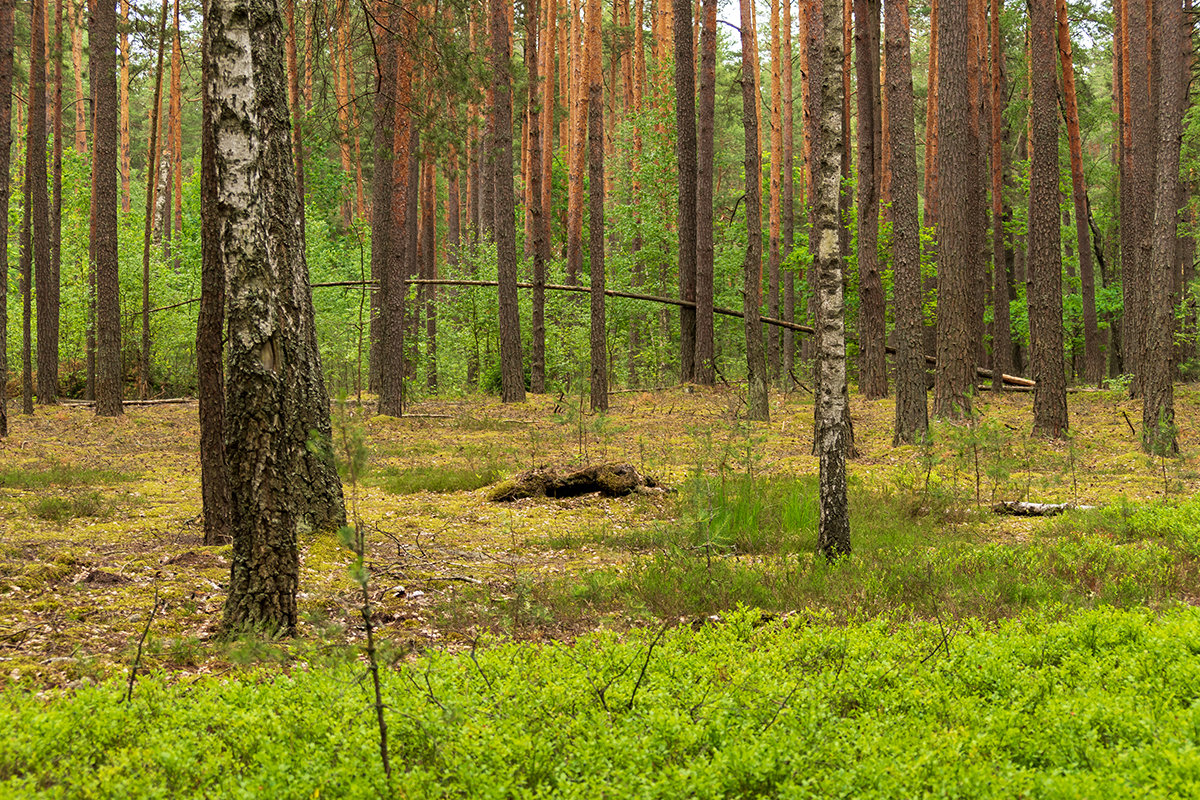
1002 355
833 529
541 244
685 154
152 162
1093 363
954 376
912 419
775 204
789 192
1045 253
7 31
270 405
1137 221
595 106
512 374
872 378
1158 397
103 40
705 372
756 359
210 370
35 149
383 347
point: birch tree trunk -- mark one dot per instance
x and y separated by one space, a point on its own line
273 367
833 531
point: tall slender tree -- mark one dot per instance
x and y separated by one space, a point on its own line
955 360
595 106
833 527
872 319
1002 356
775 202
705 372
789 192
511 372
685 154
35 153
1093 365
151 162
1137 219
123 90
1045 254
385 363
912 420
537 198
103 45
1158 395
756 358
7 36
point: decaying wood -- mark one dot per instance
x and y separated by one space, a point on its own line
611 480
1021 509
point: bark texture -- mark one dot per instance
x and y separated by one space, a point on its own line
954 376
47 288
103 40
1093 363
1002 353
872 377
912 419
276 403
685 154
7 25
512 374
756 360
833 530
595 105
705 373
1158 395
1045 253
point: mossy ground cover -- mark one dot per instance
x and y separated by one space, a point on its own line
97 515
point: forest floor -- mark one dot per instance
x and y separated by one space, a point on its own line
99 517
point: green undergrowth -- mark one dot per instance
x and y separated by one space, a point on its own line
62 508
752 542
58 474
1100 703
439 479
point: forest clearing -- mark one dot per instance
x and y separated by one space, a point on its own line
103 557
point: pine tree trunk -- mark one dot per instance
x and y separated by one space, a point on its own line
912 419
175 115
210 370
123 86
511 371
1002 355
26 290
833 528
82 117
386 363
540 244
685 153
103 41
271 405
595 108
429 268
151 163
872 332
1093 366
775 203
789 194
1137 220
1158 398
705 372
7 36
1045 254
576 152
756 361
56 177
977 181
955 359
35 150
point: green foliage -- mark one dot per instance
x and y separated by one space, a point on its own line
744 708
437 479
58 474
60 509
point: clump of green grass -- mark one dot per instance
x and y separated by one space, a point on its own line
440 479
58 474
61 509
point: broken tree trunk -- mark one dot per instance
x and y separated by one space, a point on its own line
611 480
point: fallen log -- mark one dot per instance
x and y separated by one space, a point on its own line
610 480
1022 509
